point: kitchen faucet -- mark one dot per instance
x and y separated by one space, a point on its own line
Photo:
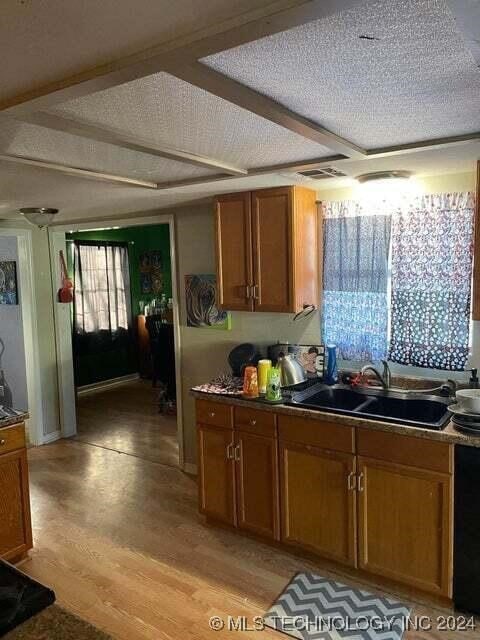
385 379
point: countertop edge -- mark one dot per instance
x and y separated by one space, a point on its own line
449 434
8 422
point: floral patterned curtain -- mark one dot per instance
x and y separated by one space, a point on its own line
432 248
355 278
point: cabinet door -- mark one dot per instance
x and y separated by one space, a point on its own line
15 526
405 524
257 484
318 501
216 473
234 251
272 228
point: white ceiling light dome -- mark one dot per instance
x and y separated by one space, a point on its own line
39 216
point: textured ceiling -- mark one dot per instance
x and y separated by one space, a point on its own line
45 40
415 80
172 112
53 146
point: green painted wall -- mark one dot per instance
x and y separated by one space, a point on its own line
94 367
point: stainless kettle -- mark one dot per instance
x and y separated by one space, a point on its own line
291 371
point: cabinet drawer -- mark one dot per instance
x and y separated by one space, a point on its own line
214 413
327 435
406 450
255 421
12 438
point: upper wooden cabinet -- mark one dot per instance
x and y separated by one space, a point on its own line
267 250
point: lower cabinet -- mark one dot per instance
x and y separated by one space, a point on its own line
370 499
257 484
238 482
15 526
216 473
318 501
405 524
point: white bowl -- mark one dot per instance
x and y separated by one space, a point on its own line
469 399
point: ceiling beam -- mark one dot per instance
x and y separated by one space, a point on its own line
293 167
216 83
278 16
125 141
423 145
81 173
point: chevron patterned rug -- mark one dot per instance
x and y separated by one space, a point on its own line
316 608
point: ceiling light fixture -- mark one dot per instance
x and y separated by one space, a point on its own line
39 216
374 176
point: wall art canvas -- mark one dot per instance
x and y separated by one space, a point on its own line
151 273
201 302
8 282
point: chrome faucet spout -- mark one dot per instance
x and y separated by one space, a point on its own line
385 379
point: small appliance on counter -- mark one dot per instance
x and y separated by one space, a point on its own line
241 356
291 371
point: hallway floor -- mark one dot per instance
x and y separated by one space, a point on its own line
120 541
126 419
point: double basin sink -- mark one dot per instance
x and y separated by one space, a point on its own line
413 409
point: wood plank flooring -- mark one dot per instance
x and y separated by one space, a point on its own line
120 540
126 419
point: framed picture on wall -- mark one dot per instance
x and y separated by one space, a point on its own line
201 301
8 282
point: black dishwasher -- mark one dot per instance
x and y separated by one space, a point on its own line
466 554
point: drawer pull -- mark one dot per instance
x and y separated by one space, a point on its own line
211 414
360 482
253 423
2 442
351 481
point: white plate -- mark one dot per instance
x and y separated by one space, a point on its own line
460 411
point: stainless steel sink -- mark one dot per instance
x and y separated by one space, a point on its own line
414 409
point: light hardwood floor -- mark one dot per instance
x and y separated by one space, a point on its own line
126 419
120 540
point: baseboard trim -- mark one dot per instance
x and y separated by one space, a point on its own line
96 387
190 468
51 437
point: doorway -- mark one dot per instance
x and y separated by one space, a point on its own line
124 284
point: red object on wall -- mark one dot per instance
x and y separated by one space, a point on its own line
65 294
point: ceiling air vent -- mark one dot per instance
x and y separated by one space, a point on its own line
324 172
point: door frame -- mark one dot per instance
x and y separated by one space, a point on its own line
66 386
35 424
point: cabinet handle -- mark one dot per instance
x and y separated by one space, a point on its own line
253 423
211 414
248 291
2 442
360 482
255 294
236 453
351 481
230 451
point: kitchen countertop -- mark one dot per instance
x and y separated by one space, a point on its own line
8 422
449 434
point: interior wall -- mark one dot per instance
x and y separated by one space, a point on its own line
45 323
11 332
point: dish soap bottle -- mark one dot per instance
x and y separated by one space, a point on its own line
331 376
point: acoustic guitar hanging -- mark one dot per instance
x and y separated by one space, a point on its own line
65 294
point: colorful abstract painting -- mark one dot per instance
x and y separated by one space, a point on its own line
8 282
201 302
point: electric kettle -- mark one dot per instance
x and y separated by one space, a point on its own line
291 371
